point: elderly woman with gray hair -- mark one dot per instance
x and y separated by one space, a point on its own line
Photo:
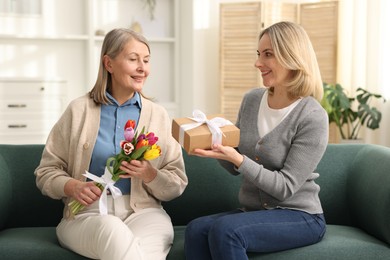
89 131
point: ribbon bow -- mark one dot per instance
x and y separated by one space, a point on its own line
213 124
108 183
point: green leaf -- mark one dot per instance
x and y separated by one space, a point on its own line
341 109
139 152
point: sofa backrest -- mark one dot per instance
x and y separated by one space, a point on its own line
354 181
21 203
5 192
211 189
336 162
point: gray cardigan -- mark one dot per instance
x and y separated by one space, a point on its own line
279 169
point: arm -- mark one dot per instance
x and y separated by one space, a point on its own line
67 154
171 179
163 178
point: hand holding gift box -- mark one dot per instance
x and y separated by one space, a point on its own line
202 132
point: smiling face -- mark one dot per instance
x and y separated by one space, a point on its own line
272 72
129 69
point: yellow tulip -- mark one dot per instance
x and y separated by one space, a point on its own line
152 153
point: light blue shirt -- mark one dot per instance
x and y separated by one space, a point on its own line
113 118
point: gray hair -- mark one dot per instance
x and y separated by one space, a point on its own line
114 42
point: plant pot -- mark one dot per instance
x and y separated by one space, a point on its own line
334 134
352 141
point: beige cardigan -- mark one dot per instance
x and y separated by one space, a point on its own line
69 147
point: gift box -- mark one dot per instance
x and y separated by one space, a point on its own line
201 135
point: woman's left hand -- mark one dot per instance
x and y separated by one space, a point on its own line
221 152
138 169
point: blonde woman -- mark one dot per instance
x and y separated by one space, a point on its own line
90 131
284 134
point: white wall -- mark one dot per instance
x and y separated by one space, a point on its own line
200 56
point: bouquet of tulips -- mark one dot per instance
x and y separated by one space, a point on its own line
136 146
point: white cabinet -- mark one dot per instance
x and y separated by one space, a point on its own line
59 40
29 108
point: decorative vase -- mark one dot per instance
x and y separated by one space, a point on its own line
136 26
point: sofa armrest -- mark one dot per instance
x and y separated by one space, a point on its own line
5 191
368 191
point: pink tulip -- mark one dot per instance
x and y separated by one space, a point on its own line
129 134
151 138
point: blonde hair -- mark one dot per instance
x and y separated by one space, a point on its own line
114 42
294 51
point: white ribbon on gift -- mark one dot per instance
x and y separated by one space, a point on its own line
108 183
213 124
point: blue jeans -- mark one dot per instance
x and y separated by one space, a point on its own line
230 235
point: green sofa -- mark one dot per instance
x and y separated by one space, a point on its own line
355 192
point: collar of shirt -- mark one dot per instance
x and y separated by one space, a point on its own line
135 100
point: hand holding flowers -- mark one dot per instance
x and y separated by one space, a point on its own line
136 146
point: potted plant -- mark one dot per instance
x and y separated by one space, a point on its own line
151 4
351 113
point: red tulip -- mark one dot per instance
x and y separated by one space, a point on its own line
141 143
130 123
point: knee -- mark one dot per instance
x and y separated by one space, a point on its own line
191 230
108 221
222 229
195 229
110 226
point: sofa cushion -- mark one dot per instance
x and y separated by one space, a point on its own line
177 250
339 243
34 244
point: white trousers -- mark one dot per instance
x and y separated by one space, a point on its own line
120 235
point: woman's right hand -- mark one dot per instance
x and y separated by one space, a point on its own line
84 192
221 152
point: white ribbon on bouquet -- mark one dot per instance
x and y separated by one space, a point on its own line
213 124
108 183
